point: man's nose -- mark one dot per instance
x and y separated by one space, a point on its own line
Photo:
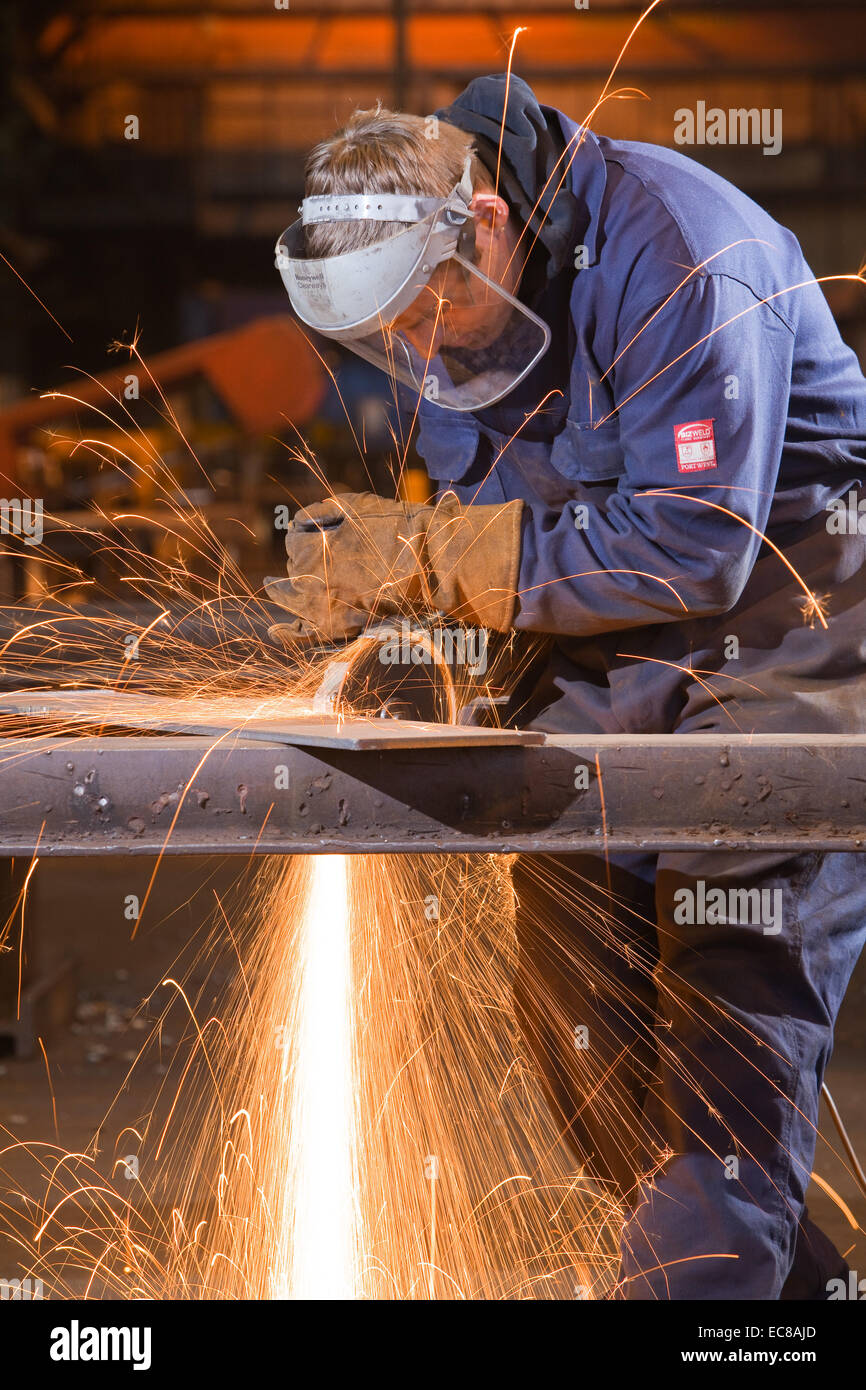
425 337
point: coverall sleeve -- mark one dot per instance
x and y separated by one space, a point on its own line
639 556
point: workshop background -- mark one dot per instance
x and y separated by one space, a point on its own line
161 231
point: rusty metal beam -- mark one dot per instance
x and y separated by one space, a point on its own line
193 795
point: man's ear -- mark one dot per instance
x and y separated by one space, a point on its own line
490 214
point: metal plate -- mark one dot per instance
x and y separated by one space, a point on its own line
270 720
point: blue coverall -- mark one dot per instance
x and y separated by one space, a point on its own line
698 399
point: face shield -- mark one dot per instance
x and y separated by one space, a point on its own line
415 304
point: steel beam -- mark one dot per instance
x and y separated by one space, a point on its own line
232 795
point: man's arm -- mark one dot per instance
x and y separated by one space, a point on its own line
645 557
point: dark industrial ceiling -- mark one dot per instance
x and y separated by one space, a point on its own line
230 95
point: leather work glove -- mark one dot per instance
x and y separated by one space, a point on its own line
357 555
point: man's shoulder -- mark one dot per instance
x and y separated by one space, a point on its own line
698 200
658 192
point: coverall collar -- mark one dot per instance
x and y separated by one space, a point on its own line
570 190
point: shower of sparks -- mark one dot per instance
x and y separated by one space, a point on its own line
318 1241
357 1118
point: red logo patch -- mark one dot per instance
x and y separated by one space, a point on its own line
696 446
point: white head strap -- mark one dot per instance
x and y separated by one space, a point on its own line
383 207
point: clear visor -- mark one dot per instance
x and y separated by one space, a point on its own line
413 306
463 342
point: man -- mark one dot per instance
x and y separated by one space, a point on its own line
632 397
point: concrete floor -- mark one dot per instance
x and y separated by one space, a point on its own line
79 905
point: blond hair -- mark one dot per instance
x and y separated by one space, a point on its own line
382 151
